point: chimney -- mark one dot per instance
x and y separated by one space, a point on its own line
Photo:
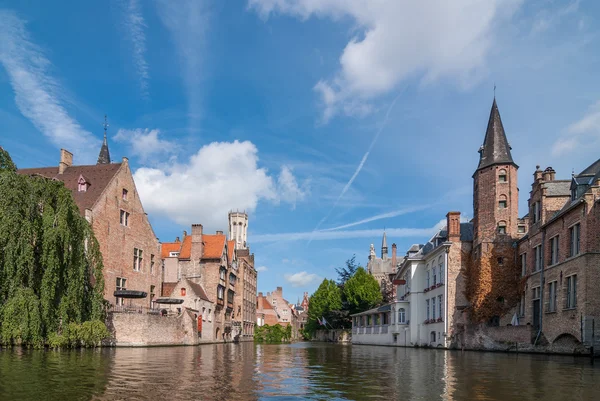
279 291
260 294
537 175
453 226
197 245
549 174
219 232
66 160
394 259
176 239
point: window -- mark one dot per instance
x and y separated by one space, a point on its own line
434 272
137 259
536 292
220 292
124 218
222 274
210 315
151 264
536 212
553 250
503 202
502 175
401 316
121 285
433 308
232 278
522 305
502 227
521 229
124 194
428 281
183 291
523 264
571 291
440 307
574 234
427 304
442 278
552 296
204 314
537 258
500 260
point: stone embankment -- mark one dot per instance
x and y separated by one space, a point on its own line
343 336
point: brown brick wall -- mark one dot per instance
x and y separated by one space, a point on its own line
118 242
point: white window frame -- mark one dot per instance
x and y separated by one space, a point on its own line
138 258
120 285
427 303
124 218
441 305
433 308
402 316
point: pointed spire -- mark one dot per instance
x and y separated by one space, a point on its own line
384 247
104 156
495 148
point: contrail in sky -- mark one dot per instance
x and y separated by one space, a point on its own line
360 165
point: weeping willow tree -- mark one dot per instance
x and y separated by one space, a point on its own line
50 262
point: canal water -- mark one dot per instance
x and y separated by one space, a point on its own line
292 372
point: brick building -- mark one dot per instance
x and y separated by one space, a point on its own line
209 261
106 195
560 256
245 295
383 269
265 312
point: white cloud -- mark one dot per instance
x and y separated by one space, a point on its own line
398 40
37 93
262 269
346 234
301 279
135 24
187 22
580 133
145 143
289 190
219 177
547 18
381 216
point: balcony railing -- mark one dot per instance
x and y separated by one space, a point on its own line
383 329
135 309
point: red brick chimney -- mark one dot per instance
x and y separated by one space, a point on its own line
394 261
453 226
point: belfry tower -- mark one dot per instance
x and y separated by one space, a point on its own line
238 229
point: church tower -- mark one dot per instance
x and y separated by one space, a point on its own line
495 192
384 247
238 229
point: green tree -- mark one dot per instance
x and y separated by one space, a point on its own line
362 292
50 261
345 273
324 303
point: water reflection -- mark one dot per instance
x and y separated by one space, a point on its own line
291 372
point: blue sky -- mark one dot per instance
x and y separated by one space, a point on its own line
326 120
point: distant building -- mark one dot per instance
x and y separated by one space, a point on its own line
265 312
384 268
107 197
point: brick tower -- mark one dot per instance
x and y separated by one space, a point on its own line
495 192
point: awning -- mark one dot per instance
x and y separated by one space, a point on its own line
130 294
172 301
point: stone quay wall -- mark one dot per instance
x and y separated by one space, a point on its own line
335 336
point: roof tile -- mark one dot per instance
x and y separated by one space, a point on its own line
213 246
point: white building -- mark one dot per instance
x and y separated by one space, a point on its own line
430 294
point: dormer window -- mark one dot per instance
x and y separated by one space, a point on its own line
82 184
502 175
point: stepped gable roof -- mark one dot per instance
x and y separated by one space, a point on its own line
495 148
198 290
213 246
97 175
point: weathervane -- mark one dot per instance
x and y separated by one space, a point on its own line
105 125
494 89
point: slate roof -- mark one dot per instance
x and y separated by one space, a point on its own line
495 148
97 175
104 155
558 188
213 246
593 169
466 235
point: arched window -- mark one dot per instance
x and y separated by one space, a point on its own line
401 316
432 336
502 175
502 227
502 202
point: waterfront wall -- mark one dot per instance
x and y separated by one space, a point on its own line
336 336
140 330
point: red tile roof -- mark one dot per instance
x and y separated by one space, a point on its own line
168 247
230 248
264 304
186 248
97 175
213 246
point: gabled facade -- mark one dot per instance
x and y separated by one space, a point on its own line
383 268
107 197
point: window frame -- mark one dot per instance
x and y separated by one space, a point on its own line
552 296
571 298
124 217
554 249
124 194
523 264
120 285
440 305
138 259
575 240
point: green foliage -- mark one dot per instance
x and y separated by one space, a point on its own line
272 334
323 303
6 163
345 273
50 263
361 292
